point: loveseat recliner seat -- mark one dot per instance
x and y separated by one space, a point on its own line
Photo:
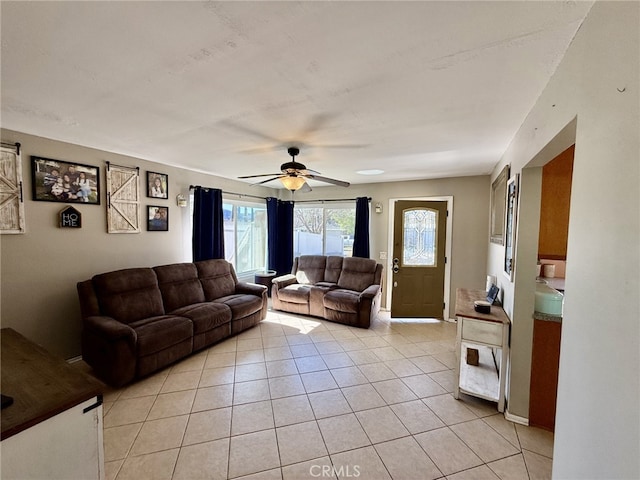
346 290
138 320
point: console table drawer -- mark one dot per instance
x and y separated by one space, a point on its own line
484 332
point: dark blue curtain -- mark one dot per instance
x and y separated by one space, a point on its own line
208 224
361 237
280 241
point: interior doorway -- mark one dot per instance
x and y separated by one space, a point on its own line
523 288
418 273
552 256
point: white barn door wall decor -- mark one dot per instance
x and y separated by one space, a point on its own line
11 199
123 199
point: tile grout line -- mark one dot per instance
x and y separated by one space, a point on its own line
378 333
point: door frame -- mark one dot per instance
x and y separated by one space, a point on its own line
447 267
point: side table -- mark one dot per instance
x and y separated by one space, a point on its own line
264 278
488 333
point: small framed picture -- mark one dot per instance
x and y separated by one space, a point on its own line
157 218
157 185
60 181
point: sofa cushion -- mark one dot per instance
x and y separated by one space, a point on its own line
205 316
333 269
295 293
180 285
158 333
357 273
342 300
129 295
241 305
217 277
310 268
316 297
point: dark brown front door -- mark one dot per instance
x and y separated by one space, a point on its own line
419 236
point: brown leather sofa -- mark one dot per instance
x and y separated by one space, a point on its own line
139 320
341 289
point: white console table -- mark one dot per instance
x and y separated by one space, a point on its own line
489 334
53 429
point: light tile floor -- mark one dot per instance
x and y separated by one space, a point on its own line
297 397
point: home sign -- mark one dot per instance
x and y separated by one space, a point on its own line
70 218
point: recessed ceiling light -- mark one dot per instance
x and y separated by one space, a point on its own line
370 172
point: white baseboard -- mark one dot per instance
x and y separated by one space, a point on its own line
515 418
74 359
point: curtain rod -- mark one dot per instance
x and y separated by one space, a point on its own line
330 200
191 187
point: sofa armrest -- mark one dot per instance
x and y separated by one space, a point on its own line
370 292
369 305
284 280
257 290
109 346
89 305
111 329
251 289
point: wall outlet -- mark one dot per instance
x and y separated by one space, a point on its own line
383 255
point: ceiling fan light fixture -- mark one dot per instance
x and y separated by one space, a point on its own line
295 174
292 182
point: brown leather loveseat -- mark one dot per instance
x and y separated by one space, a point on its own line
341 289
139 320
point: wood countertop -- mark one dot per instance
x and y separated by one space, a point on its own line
546 317
464 306
41 384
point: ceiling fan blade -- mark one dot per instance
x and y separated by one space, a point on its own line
248 130
341 145
265 149
266 181
307 172
317 123
261 175
304 188
340 183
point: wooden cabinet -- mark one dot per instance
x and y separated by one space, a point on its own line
53 429
554 206
489 335
545 360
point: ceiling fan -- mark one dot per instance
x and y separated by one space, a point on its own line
294 175
303 138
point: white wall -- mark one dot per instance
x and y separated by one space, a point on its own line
596 84
39 269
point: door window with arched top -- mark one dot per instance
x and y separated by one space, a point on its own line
420 241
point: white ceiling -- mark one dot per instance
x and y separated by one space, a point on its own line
417 89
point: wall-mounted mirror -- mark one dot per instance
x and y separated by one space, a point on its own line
498 206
